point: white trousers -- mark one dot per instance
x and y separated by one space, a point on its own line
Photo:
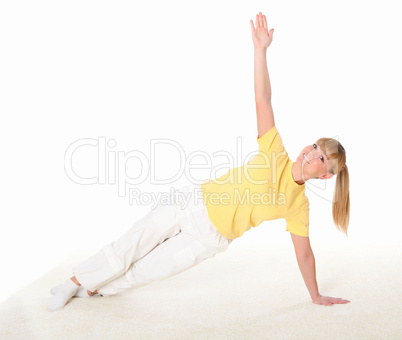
171 238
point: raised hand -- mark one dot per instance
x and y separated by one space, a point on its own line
261 37
328 301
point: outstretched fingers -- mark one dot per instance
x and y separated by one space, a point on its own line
339 300
264 21
260 23
252 26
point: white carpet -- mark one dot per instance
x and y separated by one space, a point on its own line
243 293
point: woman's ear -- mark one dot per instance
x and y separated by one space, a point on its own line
326 176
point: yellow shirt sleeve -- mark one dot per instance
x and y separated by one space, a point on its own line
299 224
268 140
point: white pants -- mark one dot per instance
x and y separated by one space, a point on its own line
169 239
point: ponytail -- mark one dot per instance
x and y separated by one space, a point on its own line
341 201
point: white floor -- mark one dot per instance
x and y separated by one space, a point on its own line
245 292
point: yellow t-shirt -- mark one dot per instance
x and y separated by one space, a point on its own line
262 189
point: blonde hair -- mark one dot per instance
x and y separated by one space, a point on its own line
336 155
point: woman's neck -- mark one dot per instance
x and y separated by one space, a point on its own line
297 173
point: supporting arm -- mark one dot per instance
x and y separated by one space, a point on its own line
306 261
307 269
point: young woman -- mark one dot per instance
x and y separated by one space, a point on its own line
170 239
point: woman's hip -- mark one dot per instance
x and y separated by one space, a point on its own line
193 219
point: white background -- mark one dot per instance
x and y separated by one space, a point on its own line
136 71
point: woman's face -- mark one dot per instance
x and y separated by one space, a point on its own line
314 162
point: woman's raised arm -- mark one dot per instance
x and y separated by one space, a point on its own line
262 87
